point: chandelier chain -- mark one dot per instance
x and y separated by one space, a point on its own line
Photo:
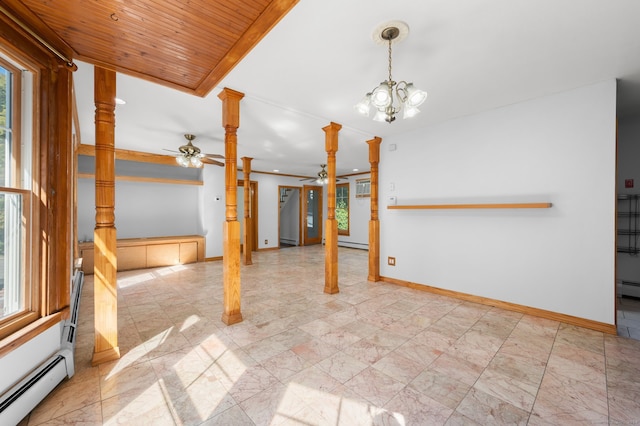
390 80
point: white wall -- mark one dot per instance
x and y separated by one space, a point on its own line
212 206
559 148
15 365
628 168
268 205
144 209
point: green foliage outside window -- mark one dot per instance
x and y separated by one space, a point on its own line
342 208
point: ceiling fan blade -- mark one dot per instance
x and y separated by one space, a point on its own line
171 150
214 155
211 161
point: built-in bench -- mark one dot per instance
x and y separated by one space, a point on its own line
140 253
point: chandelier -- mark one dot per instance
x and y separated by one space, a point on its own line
381 99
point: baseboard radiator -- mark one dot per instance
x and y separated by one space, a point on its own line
18 401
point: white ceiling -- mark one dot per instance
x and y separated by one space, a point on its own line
320 60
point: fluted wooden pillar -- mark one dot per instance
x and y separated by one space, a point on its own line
331 229
104 236
374 223
231 227
247 238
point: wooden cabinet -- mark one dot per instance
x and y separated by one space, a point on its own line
140 253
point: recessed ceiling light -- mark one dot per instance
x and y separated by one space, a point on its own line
355 170
276 170
120 101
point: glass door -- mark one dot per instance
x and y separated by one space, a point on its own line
312 215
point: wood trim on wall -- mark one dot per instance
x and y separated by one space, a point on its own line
125 154
30 331
527 310
146 179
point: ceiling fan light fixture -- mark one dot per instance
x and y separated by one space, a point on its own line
190 155
182 160
407 97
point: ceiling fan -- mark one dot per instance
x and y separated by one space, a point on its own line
323 176
190 155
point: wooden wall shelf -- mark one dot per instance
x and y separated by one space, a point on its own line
140 253
472 206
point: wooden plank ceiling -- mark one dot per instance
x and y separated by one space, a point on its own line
188 45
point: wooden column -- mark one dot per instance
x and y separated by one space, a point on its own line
231 227
104 236
374 223
247 238
331 229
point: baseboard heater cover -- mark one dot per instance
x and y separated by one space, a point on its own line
23 397
27 394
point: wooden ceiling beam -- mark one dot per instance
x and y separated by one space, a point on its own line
188 46
256 32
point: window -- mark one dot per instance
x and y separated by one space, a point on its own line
36 187
342 208
363 188
17 299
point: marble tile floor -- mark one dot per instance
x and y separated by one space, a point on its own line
373 354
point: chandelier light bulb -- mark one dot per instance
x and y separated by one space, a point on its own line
381 96
182 160
380 115
410 111
415 97
364 106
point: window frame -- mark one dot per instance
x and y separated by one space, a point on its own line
363 188
49 129
348 209
30 307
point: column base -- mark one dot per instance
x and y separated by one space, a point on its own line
110 354
331 290
231 319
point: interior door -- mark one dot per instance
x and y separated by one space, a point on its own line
289 229
312 215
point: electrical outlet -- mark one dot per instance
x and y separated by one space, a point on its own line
391 261
266 242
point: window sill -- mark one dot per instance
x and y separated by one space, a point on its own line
29 331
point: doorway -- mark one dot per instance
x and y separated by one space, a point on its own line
289 216
253 211
312 215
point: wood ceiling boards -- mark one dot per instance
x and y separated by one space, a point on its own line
189 45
